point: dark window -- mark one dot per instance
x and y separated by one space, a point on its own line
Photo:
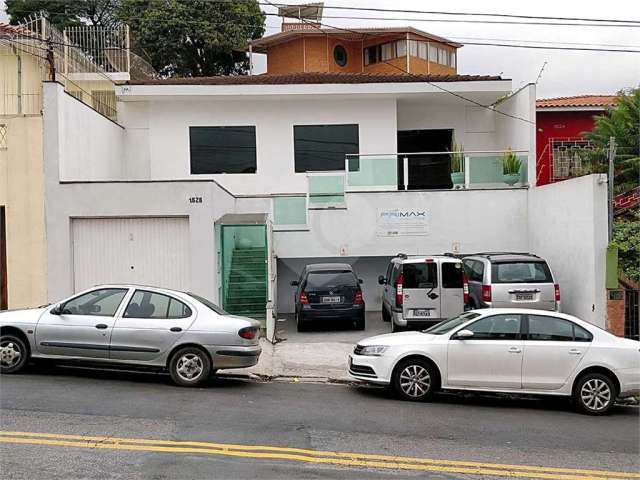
340 55
420 275
556 330
372 55
452 275
208 303
496 327
520 272
448 325
395 274
324 147
330 278
222 149
389 270
101 303
475 270
146 304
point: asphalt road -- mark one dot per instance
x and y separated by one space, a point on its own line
93 424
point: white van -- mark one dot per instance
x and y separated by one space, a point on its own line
420 291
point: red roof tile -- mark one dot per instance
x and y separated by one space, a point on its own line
314 78
7 30
599 101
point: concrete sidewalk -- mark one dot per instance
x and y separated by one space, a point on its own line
320 354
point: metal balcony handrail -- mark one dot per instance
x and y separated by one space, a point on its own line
431 153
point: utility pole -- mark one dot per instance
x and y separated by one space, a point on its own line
612 156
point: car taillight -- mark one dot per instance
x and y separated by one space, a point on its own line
557 289
248 332
304 300
486 293
399 290
465 288
357 300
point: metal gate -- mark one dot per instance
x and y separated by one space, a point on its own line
632 314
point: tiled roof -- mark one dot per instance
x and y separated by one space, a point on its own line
314 78
7 30
599 101
261 44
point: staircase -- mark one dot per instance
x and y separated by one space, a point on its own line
247 289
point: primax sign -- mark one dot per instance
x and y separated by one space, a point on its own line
393 222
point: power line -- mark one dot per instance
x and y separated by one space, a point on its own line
471 14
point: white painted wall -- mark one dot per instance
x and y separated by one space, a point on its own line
568 227
90 144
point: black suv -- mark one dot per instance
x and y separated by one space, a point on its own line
328 291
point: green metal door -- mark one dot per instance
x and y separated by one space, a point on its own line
244 269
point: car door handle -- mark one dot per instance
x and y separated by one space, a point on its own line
575 351
515 350
102 326
175 329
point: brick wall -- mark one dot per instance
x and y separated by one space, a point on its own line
286 57
615 312
627 200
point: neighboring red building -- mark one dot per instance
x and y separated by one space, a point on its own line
560 124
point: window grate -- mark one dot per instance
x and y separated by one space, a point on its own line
3 136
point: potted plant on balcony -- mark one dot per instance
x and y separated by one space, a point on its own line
457 165
511 165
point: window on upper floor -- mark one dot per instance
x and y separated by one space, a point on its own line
222 149
385 52
323 147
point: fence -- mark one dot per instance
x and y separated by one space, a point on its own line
36 51
632 314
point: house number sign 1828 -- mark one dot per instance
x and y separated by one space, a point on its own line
195 199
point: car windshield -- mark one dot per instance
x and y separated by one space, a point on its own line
448 325
208 303
330 278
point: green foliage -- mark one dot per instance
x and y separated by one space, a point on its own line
65 13
192 38
626 235
623 123
511 163
457 158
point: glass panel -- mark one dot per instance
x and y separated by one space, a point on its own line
497 327
373 171
101 303
521 272
550 329
323 147
489 170
146 304
422 50
326 189
433 54
413 48
290 211
420 275
222 150
401 48
388 51
452 275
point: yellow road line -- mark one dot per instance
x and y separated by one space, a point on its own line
312 456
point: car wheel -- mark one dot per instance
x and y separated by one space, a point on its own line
414 379
360 323
301 325
13 354
385 315
594 394
189 367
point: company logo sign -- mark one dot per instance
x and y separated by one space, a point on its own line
393 222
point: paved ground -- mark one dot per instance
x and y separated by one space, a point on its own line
319 353
292 430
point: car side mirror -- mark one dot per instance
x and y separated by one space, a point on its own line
381 280
295 283
463 335
56 310
361 281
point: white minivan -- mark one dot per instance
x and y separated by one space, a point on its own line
420 291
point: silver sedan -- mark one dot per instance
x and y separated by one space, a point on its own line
132 325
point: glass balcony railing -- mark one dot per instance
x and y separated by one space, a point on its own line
437 170
290 212
326 189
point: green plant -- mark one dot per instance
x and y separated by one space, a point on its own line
511 163
457 158
626 236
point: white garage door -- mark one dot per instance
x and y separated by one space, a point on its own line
147 251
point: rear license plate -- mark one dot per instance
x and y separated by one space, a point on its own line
524 296
331 299
423 312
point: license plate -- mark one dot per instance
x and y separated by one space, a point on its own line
423 312
331 299
524 296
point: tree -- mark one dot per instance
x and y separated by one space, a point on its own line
193 38
66 13
623 123
626 236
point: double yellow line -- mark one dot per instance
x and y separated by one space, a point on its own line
308 456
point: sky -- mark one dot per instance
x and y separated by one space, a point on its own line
565 72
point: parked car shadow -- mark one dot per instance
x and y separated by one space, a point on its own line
493 400
50 369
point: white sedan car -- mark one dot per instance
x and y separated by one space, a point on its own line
505 350
133 326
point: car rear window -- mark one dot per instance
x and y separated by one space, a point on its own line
208 303
520 272
330 278
419 275
452 276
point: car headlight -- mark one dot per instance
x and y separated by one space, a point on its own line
374 350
